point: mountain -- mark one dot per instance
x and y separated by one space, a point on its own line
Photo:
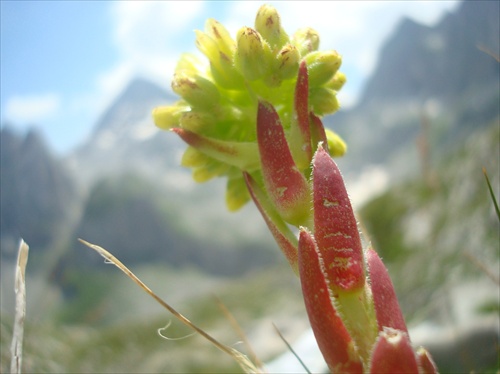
125 139
436 79
38 194
431 83
142 205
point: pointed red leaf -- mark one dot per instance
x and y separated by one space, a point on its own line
335 227
286 186
331 335
425 362
384 296
280 231
318 134
302 108
243 155
393 353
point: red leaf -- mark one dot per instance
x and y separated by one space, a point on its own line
302 108
335 227
384 297
280 231
425 362
331 335
393 354
286 186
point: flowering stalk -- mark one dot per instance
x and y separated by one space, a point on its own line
253 115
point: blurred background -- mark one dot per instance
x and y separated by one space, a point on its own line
81 158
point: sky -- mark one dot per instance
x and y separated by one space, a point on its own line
64 62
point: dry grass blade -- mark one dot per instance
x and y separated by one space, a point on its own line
488 51
492 194
20 291
291 349
242 360
234 323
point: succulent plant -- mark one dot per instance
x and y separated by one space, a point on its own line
253 115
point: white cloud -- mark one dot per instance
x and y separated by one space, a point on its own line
151 35
33 109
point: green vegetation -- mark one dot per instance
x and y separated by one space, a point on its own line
434 232
117 324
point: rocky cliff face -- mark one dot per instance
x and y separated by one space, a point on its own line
436 77
38 194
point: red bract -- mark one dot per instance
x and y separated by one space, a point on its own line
286 186
425 362
358 324
332 337
335 227
384 297
393 354
280 231
300 135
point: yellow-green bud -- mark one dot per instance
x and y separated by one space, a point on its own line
225 74
322 66
306 40
196 121
210 170
268 24
253 55
236 193
219 48
336 146
207 46
288 62
189 64
193 158
323 101
196 90
337 82
166 117
221 36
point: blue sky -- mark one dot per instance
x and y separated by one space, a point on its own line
63 62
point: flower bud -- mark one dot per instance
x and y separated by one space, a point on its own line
322 65
287 62
337 82
253 55
225 74
189 64
196 90
336 145
196 121
306 40
236 193
323 100
210 170
193 158
219 48
220 35
166 117
207 46
243 155
268 24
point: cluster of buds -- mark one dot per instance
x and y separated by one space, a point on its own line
254 115
219 99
